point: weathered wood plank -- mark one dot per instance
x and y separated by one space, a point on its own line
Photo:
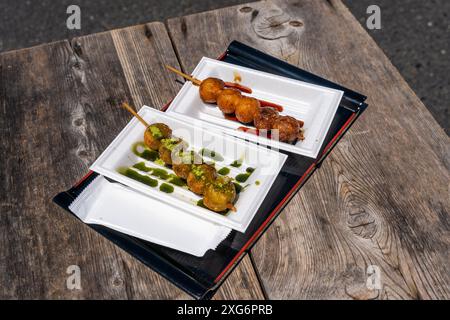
59 110
382 197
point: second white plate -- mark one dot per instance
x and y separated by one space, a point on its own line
315 105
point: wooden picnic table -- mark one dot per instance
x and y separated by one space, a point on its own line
380 199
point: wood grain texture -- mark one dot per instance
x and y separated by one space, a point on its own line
381 198
59 106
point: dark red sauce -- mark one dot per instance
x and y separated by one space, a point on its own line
271 105
254 131
238 86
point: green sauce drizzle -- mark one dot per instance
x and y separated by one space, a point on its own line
211 154
236 163
147 154
224 171
141 166
160 173
130 173
176 181
150 155
167 188
242 177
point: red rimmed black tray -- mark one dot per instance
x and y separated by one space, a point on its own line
201 277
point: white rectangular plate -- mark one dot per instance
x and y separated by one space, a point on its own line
315 105
267 164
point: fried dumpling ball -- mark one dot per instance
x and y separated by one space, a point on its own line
220 194
228 100
265 118
182 163
288 128
210 89
247 109
170 146
155 133
199 177
182 170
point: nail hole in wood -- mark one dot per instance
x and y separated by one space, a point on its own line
148 32
117 282
254 14
245 9
296 23
77 48
183 26
83 153
77 65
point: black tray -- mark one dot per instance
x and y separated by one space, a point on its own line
201 277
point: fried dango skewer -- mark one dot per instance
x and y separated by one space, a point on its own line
247 109
210 88
154 132
170 147
199 177
197 82
265 118
182 163
220 194
182 170
228 100
188 165
287 127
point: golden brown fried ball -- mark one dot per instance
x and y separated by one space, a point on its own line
199 177
210 89
155 133
265 118
170 147
182 170
247 109
220 194
183 161
288 128
228 100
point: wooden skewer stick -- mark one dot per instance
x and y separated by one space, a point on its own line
195 81
130 109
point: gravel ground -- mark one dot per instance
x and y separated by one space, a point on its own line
415 34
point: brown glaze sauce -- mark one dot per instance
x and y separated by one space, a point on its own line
238 86
271 105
